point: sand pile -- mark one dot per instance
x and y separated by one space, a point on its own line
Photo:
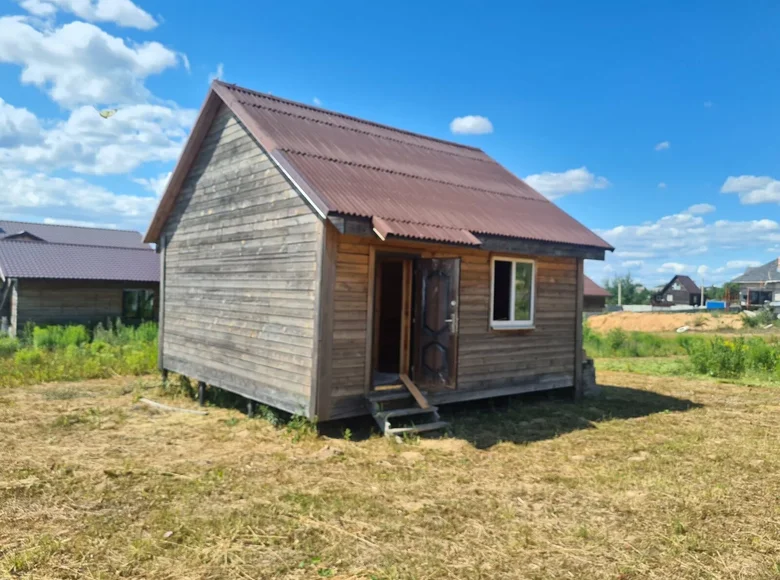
664 322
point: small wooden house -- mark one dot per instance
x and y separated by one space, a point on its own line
310 258
56 274
679 291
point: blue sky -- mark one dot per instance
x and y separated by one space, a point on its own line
655 125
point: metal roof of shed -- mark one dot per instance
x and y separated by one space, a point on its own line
30 259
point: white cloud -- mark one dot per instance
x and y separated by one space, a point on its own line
81 64
663 145
79 223
61 198
317 102
156 185
701 208
623 254
39 8
17 126
121 12
673 268
685 233
663 245
702 270
471 125
753 189
632 263
742 264
88 143
555 185
217 74
662 185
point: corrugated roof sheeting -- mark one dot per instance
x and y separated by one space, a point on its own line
20 259
359 168
406 199
423 232
590 288
82 236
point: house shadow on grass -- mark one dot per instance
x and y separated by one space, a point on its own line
539 416
531 417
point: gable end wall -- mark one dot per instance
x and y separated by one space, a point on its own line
241 274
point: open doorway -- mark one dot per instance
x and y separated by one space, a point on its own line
392 315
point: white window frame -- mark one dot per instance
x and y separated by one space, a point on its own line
512 324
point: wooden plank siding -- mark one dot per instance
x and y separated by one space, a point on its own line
241 274
489 360
71 301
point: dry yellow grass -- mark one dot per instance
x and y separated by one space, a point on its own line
658 478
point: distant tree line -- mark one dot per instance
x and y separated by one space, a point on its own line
632 291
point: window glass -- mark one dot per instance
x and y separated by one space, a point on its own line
513 294
138 304
524 279
502 289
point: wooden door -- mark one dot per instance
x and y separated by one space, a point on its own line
437 290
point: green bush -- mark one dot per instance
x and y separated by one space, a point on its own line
50 337
750 321
616 338
28 357
58 353
8 346
720 358
762 356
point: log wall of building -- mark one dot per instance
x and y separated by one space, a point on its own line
240 274
71 301
488 359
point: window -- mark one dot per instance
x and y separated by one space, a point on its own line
513 293
138 304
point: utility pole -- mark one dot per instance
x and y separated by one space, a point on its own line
620 293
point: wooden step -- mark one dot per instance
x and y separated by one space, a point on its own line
385 396
417 428
407 412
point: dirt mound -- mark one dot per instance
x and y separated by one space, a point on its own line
664 322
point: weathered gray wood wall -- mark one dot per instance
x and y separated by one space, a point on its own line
71 301
241 274
488 359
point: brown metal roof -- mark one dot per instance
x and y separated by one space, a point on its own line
349 166
385 228
590 288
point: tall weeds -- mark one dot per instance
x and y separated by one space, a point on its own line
61 353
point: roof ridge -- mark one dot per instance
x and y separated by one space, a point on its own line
350 117
45 243
404 174
70 226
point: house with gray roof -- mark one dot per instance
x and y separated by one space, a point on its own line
760 284
54 274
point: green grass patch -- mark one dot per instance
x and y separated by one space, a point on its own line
69 353
754 359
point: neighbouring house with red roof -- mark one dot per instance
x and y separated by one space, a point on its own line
53 274
330 266
595 297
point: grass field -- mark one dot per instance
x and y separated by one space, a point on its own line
656 478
